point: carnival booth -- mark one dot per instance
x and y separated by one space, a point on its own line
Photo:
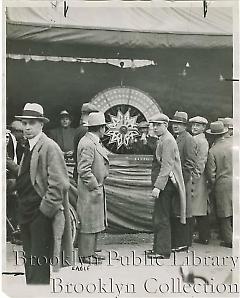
129 61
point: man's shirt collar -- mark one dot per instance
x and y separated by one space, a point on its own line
95 137
33 141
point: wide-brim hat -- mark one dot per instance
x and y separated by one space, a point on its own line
198 119
89 108
180 117
159 118
217 128
33 111
96 119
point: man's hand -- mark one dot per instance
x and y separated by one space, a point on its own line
155 193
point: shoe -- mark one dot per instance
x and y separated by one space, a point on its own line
100 257
91 260
180 248
98 250
226 244
16 241
154 255
200 241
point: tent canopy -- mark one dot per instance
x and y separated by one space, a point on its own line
115 31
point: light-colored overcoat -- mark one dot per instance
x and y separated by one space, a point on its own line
188 155
200 198
167 164
220 174
92 168
49 177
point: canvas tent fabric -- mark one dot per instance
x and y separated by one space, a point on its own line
129 27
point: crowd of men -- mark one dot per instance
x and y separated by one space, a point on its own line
185 173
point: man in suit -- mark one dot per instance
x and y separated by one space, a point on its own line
92 167
188 154
87 108
167 182
64 134
220 174
15 145
200 198
42 186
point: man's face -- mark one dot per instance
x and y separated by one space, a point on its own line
17 129
198 128
143 130
178 127
65 122
159 128
7 138
32 127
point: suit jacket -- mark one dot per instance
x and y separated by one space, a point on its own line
200 198
63 137
220 173
188 155
49 177
93 168
166 163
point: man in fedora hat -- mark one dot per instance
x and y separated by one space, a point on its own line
188 150
200 198
228 123
64 134
220 174
92 168
42 186
87 108
167 182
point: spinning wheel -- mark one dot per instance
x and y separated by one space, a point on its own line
124 108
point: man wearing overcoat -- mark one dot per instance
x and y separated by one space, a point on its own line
167 182
188 154
220 173
92 168
42 186
200 198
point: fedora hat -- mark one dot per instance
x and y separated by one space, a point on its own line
180 117
33 111
227 122
159 118
89 108
198 119
217 128
143 124
96 119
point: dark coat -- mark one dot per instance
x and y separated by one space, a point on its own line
220 173
92 167
166 162
63 137
149 148
188 155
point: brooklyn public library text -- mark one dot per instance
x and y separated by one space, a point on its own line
152 285
133 259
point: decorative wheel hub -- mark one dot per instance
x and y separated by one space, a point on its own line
122 129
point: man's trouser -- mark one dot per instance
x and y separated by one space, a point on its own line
203 227
87 243
226 228
161 220
182 233
37 237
